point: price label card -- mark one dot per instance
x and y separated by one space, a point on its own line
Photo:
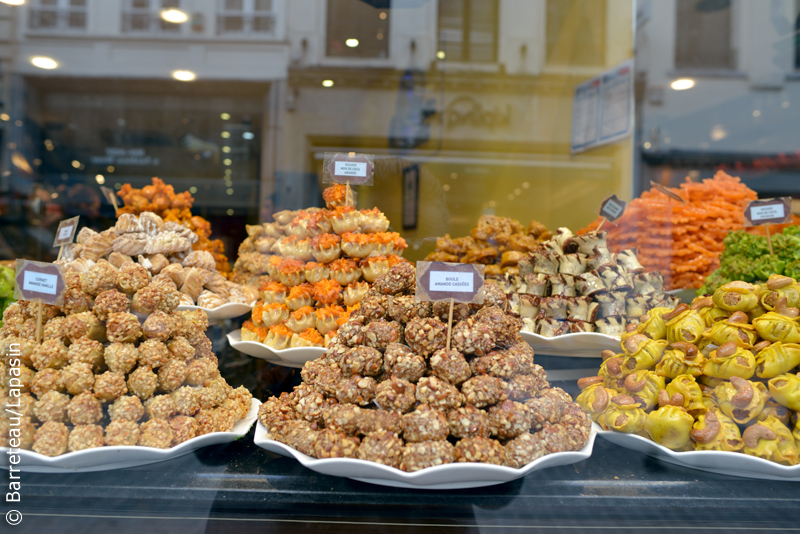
462 282
39 282
768 211
348 167
612 208
110 196
66 231
671 194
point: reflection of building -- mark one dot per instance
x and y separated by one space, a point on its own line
479 94
742 109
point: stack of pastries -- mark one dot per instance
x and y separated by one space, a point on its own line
497 242
319 265
388 390
575 284
719 375
117 365
160 247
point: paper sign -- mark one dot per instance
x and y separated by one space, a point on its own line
462 282
348 167
66 231
612 208
602 108
768 211
110 196
39 282
671 194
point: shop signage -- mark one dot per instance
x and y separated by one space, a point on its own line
348 168
768 211
467 111
66 231
462 282
612 208
39 282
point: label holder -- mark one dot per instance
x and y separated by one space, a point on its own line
767 211
611 210
65 234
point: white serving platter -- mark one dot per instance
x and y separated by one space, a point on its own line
109 458
721 462
219 314
286 357
580 344
440 477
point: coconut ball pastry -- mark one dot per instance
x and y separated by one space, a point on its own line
387 389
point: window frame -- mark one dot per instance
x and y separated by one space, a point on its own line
248 14
155 25
62 10
466 55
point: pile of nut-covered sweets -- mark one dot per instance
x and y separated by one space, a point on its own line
389 391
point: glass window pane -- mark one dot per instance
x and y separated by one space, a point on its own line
703 39
166 4
48 2
48 19
234 5
233 24
139 22
359 24
262 24
262 5
77 3
140 4
77 20
576 32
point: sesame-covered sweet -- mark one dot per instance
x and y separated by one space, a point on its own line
308 402
424 454
51 439
122 433
183 428
85 350
424 424
370 421
126 408
199 370
333 443
47 380
383 447
396 394
480 449
324 374
240 400
524 355
26 428
483 390
207 421
441 309
185 400
121 357
84 324
132 277
425 335
52 406
509 419
505 327
473 337
109 386
181 349
84 409
524 387
158 326
123 327
85 437
380 333
468 421
171 375
111 301
401 362
356 389
160 407
298 435
361 360
155 433
438 394
404 308
351 333
52 353
450 366
142 382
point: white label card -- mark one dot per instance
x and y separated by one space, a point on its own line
350 168
613 208
770 211
65 232
40 282
448 281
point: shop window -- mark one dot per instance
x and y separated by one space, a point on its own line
145 16
357 29
468 30
57 15
575 33
703 35
246 17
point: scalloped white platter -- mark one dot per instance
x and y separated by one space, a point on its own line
579 345
109 458
219 314
287 357
721 462
440 477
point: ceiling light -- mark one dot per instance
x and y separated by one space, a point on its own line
44 62
76 163
226 161
225 135
440 54
100 179
382 15
248 135
226 149
4 116
176 16
225 116
183 75
682 84
352 43
13 2
230 212
756 113
327 83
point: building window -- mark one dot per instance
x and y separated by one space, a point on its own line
703 35
57 15
468 30
144 16
246 17
357 29
576 33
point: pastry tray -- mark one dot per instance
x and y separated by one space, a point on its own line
580 344
287 357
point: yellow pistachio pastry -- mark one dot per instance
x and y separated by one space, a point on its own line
595 398
681 358
730 360
740 399
776 287
715 431
689 390
776 358
643 386
670 426
736 296
735 328
641 352
654 326
775 326
785 389
772 440
623 415
684 324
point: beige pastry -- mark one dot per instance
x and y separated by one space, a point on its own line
167 243
96 246
128 224
210 300
176 272
193 283
117 259
235 294
151 223
186 300
84 234
131 244
218 284
181 230
80 265
202 259
157 262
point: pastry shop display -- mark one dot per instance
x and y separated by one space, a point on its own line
574 284
313 268
720 374
117 365
161 199
142 247
497 242
389 391
7 284
747 257
681 240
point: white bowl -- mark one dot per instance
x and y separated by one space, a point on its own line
286 357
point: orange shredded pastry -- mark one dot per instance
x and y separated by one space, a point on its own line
327 291
273 286
343 265
683 241
335 194
312 335
302 291
302 313
325 241
290 266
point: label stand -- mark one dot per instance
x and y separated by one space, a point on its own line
348 196
766 212
450 324
39 307
769 240
597 230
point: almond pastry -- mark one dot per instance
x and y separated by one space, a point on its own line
151 223
201 259
167 243
209 300
95 247
128 224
